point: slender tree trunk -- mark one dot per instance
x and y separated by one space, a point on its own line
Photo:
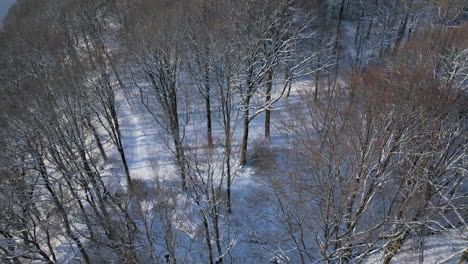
49 245
169 237
358 38
207 229
120 147
228 174
288 76
245 136
269 86
125 164
246 104
180 159
336 50
401 33
97 138
208 122
226 107
208 239
317 78
338 24
180 154
217 235
369 29
208 107
358 29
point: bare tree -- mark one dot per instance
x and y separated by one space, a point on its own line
348 151
266 39
202 25
158 54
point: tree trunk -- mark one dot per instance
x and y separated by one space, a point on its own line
228 173
207 229
97 138
317 78
226 109
269 86
336 49
120 147
358 29
180 159
288 76
124 161
217 235
63 213
208 122
393 247
245 137
401 33
338 24
175 131
208 108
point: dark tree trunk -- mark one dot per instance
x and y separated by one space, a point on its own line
336 49
338 24
226 109
63 212
217 234
124 161
317 78
208 122
246 105
245 136
401 33
227 131
287 77
269 86
180 154
209 136
120 147
97 138
207 230
180 159
228 173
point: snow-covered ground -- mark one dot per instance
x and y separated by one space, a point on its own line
438 249
151 160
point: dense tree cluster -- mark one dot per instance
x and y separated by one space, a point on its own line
373 150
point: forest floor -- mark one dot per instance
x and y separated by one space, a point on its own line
151 160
